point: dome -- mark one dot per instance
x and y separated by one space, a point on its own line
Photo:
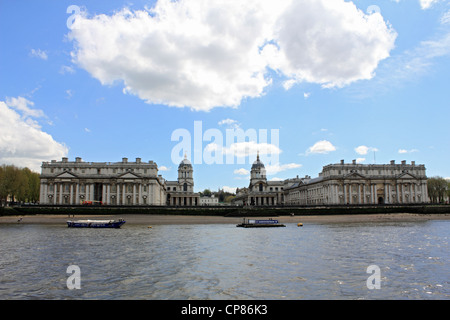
185 163
257 164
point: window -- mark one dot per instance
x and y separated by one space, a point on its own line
185 187
260 187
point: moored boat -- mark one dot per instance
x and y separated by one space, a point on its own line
96 223
270 223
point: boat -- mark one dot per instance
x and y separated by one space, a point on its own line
96 223
250 223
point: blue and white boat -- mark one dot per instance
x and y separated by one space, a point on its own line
96 223
270 223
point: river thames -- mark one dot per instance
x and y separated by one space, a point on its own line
219 261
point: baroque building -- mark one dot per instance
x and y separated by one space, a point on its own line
339 184
260 192
181 192
353 183
111 183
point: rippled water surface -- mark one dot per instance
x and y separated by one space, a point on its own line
316 261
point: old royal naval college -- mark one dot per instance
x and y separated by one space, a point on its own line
137 183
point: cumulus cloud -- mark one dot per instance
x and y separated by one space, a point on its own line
322 147
204 54
22 142
363 150
276 168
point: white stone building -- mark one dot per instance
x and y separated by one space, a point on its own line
260 192
110 183
209 201
181 192
352 183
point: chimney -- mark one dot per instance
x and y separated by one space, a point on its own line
413 163
403 161
124 160
78 159
64 159
392 162
353 161
138 160
342 161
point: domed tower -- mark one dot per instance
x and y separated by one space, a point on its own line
258 175
186 175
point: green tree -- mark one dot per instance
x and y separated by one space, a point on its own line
437 189
18 184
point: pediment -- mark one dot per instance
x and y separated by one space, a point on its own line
66 175
129 175
406 175
354 175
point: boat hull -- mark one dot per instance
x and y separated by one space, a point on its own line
95 224
259 225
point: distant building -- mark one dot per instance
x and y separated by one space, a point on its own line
111 183
209 201
353 183
181 192
260 192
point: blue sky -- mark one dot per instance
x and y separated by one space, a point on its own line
365 80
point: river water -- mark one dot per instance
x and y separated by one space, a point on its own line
220 261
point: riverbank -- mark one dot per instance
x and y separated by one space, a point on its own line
153 220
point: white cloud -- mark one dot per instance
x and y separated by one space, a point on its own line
21 104
39 54
288 84
360 160
363 150
229 122
425 4
163 168
402 151
241 171
276 168
306 95
322 147
229 189
203 54
22 142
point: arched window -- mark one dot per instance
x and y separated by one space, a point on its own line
260 187
185 187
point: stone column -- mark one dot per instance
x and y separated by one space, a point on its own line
71 194
108 194
60 193
77 193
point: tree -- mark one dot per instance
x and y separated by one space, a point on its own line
437 189
18 184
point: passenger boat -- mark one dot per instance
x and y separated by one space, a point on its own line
96 223
270 223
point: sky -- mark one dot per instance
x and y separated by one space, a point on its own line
302 83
